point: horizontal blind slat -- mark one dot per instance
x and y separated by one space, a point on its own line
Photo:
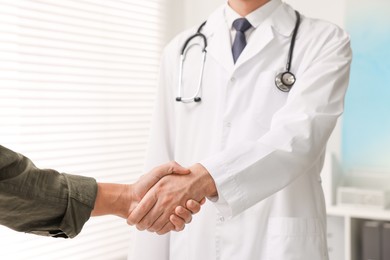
75 54
63 12
39 26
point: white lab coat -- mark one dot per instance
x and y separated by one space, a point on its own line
263 147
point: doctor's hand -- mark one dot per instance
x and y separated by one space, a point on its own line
169 196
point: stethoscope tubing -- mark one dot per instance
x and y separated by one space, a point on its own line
196 97
293 40
280 82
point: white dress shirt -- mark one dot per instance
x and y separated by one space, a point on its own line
255 18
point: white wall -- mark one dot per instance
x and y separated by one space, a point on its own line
198 11
189 12
330 10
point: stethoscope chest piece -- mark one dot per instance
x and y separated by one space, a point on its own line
284 81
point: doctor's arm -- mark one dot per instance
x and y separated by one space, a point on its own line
251 171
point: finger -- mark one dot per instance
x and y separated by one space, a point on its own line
184 214
167 228
149 220
177 222
142 209
193 206
160 222
203 201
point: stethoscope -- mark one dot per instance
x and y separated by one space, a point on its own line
284 81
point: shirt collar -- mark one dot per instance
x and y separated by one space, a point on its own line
256 17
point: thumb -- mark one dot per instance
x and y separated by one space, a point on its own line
178 169
150 179
167 169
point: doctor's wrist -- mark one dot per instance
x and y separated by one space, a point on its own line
205 182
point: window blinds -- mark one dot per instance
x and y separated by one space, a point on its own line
77 83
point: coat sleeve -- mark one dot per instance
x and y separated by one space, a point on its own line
42 202
249 172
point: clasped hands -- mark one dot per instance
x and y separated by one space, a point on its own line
165 199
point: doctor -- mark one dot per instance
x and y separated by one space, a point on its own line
256 149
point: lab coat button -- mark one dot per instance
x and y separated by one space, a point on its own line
232 79
222 219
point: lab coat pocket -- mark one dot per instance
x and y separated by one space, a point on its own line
295 239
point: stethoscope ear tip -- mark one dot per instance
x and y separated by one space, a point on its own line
178 99
197 99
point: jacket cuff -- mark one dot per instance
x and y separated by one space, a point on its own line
81 200
230 199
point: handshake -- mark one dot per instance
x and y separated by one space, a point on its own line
160 201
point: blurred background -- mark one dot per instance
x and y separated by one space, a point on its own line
77 85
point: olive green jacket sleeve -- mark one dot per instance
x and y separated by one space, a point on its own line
42 201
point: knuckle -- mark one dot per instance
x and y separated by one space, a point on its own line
178 211
168 198
143 207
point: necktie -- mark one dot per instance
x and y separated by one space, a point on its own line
241 25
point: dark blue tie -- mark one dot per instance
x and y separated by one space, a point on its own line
241 25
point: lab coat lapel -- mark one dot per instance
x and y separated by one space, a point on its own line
218 35
281 21
260 38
